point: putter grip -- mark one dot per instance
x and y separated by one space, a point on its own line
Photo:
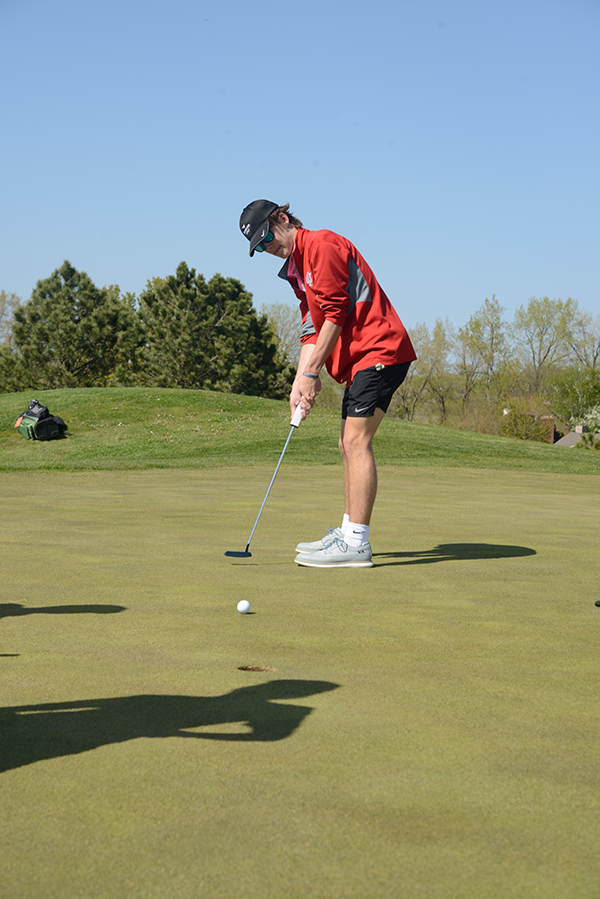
297 416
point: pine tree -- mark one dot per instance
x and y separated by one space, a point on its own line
72 333
207 334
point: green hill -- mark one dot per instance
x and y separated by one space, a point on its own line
143 428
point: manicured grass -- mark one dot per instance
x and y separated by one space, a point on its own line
429 728
426 729
118 429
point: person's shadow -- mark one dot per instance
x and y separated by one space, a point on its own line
34 732
11 609
453 552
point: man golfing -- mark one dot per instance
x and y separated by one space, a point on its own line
350 326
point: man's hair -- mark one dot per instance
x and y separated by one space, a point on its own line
293 220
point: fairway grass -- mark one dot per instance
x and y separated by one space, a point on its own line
429 728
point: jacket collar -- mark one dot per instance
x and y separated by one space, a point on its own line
297 248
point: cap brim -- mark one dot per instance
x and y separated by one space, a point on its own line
258 235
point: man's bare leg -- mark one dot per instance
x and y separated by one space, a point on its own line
360 472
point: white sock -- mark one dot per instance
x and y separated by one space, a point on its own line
345 521
356 534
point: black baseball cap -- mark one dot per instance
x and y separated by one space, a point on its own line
254 221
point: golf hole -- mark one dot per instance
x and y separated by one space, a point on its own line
255 668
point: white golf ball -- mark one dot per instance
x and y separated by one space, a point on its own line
243 606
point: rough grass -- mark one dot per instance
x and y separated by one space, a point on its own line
143 428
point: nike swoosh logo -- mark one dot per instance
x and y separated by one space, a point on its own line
358 411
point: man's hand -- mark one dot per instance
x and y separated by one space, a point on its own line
304 393
310 388
312 359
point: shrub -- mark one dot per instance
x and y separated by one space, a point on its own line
526 418
591 420
588 441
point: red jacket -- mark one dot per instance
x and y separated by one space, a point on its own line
335 284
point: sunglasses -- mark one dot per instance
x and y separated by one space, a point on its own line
260 248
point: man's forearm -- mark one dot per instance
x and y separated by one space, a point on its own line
313 356
328 337
305 356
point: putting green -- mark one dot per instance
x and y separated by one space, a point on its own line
428 728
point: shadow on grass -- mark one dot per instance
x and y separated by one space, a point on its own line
9 609
35 732
454 552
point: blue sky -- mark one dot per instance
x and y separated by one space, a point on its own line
456 142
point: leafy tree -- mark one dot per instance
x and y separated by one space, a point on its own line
428 374
591 420
469 362
584 339
286 321
543 332
9 302
574 391
439 384
482 346
410 393
508 381
10 370
72 333
207 334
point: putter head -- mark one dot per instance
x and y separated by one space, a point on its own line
239 555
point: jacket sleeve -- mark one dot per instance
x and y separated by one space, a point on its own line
308 333
329 267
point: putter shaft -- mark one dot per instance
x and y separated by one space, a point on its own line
270 485
297 418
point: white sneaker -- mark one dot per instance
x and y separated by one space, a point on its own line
317 545
338 555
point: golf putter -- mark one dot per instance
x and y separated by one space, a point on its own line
294 424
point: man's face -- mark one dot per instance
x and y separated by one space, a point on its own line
284 235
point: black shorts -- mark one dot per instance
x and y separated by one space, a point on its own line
373 388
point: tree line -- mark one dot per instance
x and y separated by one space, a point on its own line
490 374
182 331
507 377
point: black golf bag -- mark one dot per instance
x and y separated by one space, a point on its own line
37 423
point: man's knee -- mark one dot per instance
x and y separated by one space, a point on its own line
358 433
357 436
